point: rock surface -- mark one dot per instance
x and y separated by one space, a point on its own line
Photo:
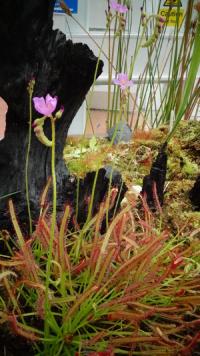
120 132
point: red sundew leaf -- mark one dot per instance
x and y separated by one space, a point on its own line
164 338
40 305
145 205
118 229
132 262
102 353
19 329
11 263
95 338
30 284
117 255
61 254
112 197
123 300
43 233
131 316
135 339
3 112
75 223
188 349
80 267
145 225
81 299
180 292
43 198
25 255
178 260
94 256
155 196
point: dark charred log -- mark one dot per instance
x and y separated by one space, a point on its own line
31 48
194 194
153 184
14 345
81 192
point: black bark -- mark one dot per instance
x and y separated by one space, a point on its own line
194 194
30 48
106 179
153 184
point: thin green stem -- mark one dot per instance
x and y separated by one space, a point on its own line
52 231
30 89
53 172
10 194
109 76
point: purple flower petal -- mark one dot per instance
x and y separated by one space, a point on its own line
45 106
122 9
51 103
39 104
113 4
123 77
123 81
116 81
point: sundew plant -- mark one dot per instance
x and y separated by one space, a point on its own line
134 289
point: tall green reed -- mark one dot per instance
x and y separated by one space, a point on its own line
154 101
194 64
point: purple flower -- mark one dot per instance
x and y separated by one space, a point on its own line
45 106
122 9
123 81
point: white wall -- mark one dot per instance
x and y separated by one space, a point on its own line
91 15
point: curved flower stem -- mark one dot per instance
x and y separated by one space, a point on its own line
53 225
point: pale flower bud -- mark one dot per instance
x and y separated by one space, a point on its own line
59 113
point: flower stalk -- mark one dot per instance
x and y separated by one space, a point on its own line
30 91
47 106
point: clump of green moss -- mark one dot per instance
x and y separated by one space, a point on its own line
180 165
188 136
178 213
189 168
181 162
84 155
134 160
188 131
